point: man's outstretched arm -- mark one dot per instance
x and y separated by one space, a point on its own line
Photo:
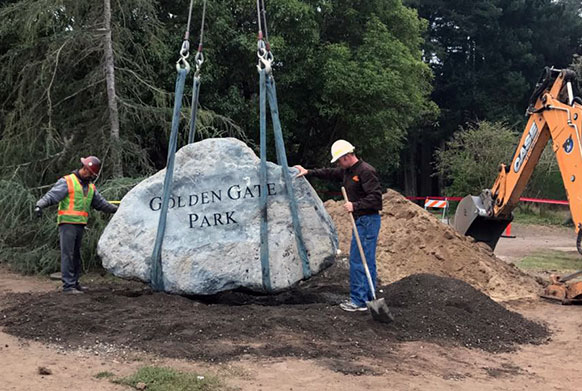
101 204
336 174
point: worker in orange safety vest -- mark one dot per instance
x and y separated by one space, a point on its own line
76 195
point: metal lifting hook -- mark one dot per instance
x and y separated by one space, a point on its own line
265 63
199 60
182 62
265 57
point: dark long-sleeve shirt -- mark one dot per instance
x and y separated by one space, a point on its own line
60 190
361 183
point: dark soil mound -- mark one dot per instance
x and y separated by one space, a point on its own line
445 308
305 322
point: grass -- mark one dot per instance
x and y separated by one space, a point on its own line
168 379
104 375
541 216
551 260
532 218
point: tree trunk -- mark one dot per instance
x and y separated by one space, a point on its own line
441 180
111 95
426 179
410 174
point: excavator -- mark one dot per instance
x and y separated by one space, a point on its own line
554 112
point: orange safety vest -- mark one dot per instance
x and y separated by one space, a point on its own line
74 208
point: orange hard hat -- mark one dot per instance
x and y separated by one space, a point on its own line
92 163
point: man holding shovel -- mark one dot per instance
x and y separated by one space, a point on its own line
365 201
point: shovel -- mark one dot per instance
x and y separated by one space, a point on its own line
377 307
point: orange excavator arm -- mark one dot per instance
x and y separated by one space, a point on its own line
555 113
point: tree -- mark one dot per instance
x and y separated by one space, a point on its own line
577 67
55 106
344 69
54 109
487 55
374 93
470 161
109 65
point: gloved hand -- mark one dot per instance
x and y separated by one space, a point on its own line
38 211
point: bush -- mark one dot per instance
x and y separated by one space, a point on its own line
470 161
30 245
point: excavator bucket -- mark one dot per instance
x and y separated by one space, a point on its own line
473 219
566 293
560 290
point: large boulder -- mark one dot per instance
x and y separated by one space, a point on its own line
212 239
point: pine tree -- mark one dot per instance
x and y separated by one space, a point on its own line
55 104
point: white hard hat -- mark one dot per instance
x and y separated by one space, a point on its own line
340 148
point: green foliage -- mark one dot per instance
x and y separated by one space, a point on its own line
487 54
31 245
529 213
53 101
53 98
344 69
374 93
168 379
470 161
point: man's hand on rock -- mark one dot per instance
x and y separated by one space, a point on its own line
349 207
302 171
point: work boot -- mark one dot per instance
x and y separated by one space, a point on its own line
81 288
351 307
72 291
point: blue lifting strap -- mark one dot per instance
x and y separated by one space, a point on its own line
265 268
183 67
156 277
282 160
195 94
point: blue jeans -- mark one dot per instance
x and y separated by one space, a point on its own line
368 229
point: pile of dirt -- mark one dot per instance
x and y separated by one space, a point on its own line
412 240
305 322
449 308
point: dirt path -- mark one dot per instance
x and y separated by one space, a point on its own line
412 365
408 366
533 238
20 360
417 366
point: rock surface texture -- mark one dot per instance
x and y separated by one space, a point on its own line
212 239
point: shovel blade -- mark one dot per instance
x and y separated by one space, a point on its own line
380 311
